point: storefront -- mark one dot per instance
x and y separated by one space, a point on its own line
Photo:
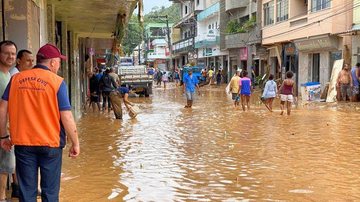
316 58
212 57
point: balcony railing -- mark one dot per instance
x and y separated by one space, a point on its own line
234 4
203 42
208 12
242 39
159 55
184 45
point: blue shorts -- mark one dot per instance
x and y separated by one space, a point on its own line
233 96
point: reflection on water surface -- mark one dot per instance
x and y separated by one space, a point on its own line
213 153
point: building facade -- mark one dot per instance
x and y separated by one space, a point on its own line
241 35
156 46
159 55
183 50
306 37
207 40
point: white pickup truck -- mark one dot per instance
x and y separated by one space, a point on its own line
137 78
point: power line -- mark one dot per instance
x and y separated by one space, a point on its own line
307 25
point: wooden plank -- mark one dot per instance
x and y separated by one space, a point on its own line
338 65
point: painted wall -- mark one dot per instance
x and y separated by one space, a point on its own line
200 4
355 49
356 16
16 25
187 8
312 24
305 67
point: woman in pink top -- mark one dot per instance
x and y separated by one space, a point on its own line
287 93
245 90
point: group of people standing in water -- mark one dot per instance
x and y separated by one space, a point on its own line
241 85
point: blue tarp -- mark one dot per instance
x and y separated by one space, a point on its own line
310 84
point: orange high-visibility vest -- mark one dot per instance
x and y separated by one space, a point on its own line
33 108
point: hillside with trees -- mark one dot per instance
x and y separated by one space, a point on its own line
135 33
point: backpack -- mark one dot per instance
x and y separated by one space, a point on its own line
106 83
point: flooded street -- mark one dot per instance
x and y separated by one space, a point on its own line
214 153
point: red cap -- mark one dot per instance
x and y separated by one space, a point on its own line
49 51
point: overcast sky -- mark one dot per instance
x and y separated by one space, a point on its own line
149 4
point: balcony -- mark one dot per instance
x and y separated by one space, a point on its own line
242 39
204 42
188 20
234 4
183 46
157 55
212 10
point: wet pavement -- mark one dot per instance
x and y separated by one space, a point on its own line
215 153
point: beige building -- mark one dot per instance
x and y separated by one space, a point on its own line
240 24
306 36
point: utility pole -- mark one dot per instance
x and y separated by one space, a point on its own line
139 52
169 42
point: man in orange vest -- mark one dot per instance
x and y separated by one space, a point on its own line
39 112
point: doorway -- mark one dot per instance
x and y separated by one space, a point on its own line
315 67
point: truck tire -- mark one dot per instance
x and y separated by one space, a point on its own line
146 92
149 89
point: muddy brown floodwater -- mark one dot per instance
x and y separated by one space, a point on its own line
214 153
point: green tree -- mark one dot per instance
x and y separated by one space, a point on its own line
173 13
133 37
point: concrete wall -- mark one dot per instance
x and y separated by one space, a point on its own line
16 25
201 5
355 49
209 3
77 95
43 23
356 12
190 8
305 67
300 8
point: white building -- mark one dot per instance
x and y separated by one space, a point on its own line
207 40
159 54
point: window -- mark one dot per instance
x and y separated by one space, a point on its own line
186 10
318 5
282 8
209 27
269 13
197 2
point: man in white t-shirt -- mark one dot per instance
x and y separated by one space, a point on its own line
24 61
